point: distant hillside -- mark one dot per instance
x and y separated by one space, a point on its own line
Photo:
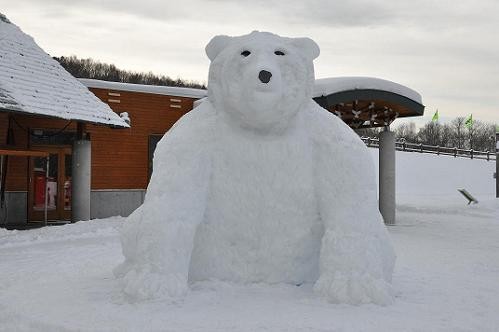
89 68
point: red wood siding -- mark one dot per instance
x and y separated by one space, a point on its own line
119 156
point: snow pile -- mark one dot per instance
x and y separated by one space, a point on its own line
83 229
60 278
260 184
32 82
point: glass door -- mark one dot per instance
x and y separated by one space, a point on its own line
51 187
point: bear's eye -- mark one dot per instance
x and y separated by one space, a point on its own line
245 53
279 53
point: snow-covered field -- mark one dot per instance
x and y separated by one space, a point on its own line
446 277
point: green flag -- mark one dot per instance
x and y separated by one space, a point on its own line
469 122
435 116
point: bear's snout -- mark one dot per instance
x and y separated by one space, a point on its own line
264 76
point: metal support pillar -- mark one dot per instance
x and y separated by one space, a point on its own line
387 175
81 176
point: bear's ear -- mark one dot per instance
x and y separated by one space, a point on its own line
307 46
216 45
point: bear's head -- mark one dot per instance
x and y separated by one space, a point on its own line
261 80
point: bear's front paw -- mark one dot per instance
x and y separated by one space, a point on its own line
142 284
354 289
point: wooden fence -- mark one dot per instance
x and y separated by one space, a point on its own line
401 145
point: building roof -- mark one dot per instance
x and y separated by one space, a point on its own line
31 82
327 86
154 89
364 102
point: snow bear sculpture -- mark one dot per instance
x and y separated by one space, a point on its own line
260 184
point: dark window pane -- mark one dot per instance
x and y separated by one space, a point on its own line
153 141
52 137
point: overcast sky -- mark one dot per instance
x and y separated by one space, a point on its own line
446 50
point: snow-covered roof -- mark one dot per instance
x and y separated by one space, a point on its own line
327 86
154 89
8 102
32 82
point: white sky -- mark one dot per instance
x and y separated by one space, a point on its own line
446 50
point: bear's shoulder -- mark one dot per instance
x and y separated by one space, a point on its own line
325 127
198 123
192 130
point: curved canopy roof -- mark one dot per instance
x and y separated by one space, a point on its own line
364 102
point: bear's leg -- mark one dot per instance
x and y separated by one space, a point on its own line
357 259
157 239
157 246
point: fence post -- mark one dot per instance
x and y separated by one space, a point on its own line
471 153
455 152
488 155
497 161
421 147
438 149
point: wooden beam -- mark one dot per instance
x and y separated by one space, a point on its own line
23 153
80 130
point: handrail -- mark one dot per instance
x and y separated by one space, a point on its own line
402 145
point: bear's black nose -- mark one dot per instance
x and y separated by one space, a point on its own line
264 76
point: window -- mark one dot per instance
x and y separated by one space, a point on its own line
153 141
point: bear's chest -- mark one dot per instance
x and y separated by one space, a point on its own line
261 220
266 180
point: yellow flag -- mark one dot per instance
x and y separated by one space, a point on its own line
469 122
435 116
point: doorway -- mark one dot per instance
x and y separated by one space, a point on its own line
58 184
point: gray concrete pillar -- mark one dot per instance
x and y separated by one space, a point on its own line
81 176
387 176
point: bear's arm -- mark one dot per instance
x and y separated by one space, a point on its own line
357 259
158 238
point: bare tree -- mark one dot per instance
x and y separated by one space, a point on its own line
430 133
459 137
406 131
89 68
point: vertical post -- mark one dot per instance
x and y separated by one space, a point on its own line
45 207
81 176
1 175
387 175
497 161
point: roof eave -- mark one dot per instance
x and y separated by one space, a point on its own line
123 125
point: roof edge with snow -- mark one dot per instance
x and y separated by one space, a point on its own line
331 85
154 89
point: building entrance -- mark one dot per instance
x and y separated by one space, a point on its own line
57 180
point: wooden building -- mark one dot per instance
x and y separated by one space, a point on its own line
45 148
121 161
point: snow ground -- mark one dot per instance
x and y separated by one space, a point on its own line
446 277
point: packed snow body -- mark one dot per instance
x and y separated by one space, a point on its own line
260 184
